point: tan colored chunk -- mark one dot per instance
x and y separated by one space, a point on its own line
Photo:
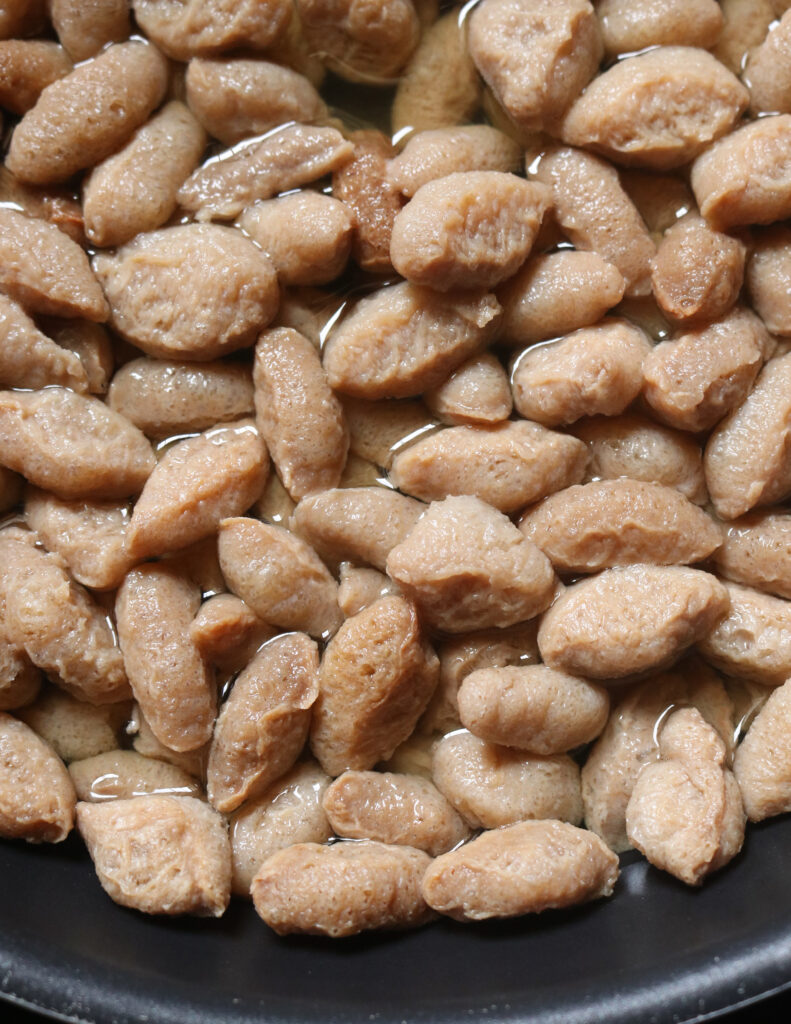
85 29
27 67
392 808
615 522
200 562
84 117
761 763
22 17
595 370
122 774
91 344
279 576
360 587
536 55
769 278
37 797
630 619
193 762
468 567
404 338
195 291
756 551
745 25
56 205
341 889
491 786
379 430
74 729
20 680
478 393
661 199
203 27
767 73
228 633
169 678
275 506
159 854
685 813
375 680
29 359
631 25
507 466
236 97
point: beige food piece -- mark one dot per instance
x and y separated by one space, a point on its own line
761 763
298 415
56 205
193 762
159 854
434 153
122 774
532 707
292 49
22 17
289 812
631 25
439 87
629 741
753 641
412 757
769 278
203 27
404 338
745 25
74 729
661 199
406 810
87 115
135 189
85 29
379 430
361 587
615 522
491 786
341 889
535 55
468 567
373 202
361 524
685 813
638 448
767 72
477 393
195 291
361 40
698 272
29 359
508 466
746 459
556 293
287 158
20 680
658 109
470 229
27 67
91 344
521 869
36 794
596 214
200 563
745 178
279 576
630 619
169 678
756 551
308 310
236 97
595 370
227 632
692 381
376 678
274 507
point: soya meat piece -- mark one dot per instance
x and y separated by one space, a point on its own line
85 29
194 291
27 67
91 344
536 55
341 889
37 797
557 292
263 725
685 813
379 430
164 397
122 774
595 370
375 680
630 619
228 633
29 359
298 415
756 551
20 680
73 728
661 199
55 205
84 117
745 26
532 707
631 25
169 678
508 466
522 869
193 762
767 73
393 808
468 567
135 189
22 17
769 278
404 338
159 854
478 393
287 158
197 27
360 587
289 812
470 229
659 109
596 214
762 762
434 153
236 97
279 576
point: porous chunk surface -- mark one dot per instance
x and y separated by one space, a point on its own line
185 29
434 153
756 551
122 774
761 764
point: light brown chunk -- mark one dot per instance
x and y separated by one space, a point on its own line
756 551
767 73
468 567
379 430
171 682
22 17
762 764
200 27
122 774
85 29
73 728
87 115
360 587
29 359
630 619
435 153
159 854
769 278
631 25
20 680
745 25
661 199
56 205
228 633
341 889
27 67
145 742
477 393
91 344
376 678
